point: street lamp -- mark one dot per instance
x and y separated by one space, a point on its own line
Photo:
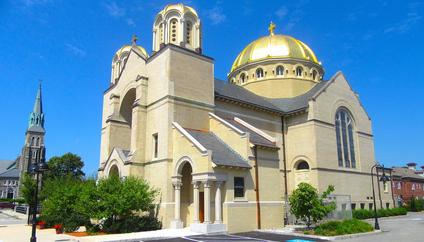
384 178
36 169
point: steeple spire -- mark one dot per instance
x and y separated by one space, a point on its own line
36 118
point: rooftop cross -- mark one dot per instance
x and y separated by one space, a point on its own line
271 28
134 39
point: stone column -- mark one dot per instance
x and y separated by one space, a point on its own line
196 201
218 204
207 192
177 223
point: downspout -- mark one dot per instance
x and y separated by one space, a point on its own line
258 205
286 196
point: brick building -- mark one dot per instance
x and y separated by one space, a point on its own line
408 182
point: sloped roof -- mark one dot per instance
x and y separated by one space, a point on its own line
5 164
11 173
404 172
254 137
222 154
233 92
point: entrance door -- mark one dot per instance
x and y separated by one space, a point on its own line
201 206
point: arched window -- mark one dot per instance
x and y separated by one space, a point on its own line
38 141
303 165
314 74
345 140
242 78
259 73
189 28
279 70
299 71
173 31
32 141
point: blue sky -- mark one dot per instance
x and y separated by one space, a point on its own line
69 45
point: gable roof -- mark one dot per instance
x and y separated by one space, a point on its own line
11 173
254 137
5 165
227 91
222 154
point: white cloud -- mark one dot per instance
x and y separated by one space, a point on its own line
412 17
114 10
75 50
130 22
216 15
282 12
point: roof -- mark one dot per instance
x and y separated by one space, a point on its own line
222 154
5 165
280 105
407 173
254 137
12 173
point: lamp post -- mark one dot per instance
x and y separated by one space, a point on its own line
36 169
383 179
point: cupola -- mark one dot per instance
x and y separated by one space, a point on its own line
276 66
177 24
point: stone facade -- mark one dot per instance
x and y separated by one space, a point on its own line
225 157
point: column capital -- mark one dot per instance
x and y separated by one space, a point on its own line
196 184
207 184
177 184
218 183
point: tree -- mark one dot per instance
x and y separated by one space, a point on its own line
63 203
66 165
308 206
28 188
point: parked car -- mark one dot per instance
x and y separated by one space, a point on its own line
7 205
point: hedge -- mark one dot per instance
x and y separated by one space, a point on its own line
365 214
350 226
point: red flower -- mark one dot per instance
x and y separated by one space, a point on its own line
57 226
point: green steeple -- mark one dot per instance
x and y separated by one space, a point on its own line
36 118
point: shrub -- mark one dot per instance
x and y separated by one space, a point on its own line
365 214
307 205
131 224
415 205
351 226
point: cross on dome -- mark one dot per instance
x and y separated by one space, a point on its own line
271 28
134 39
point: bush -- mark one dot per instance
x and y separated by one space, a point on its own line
415 205
351 226
365 214
307 205
131 224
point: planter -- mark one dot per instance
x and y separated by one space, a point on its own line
58 228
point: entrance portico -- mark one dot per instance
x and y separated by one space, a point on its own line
211 186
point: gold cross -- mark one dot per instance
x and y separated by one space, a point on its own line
271 28
134 39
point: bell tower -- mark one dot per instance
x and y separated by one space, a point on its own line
33 149
177 24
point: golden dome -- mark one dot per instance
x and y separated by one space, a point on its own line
180 8
126 49
274 46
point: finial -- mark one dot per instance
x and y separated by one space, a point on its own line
134 39
271 28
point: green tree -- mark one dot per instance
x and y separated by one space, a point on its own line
28 188
307 205
118 198
66 165
64 203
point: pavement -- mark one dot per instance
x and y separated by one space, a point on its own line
397 229
13 228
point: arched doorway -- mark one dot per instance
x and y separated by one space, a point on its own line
186 194
125 110
114 171
10 193
301 172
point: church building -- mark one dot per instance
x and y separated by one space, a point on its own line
226 154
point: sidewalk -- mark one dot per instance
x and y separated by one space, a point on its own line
22 232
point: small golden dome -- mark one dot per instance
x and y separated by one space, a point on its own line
124 50
180 8
274 46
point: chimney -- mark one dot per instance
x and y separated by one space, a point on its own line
412 165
